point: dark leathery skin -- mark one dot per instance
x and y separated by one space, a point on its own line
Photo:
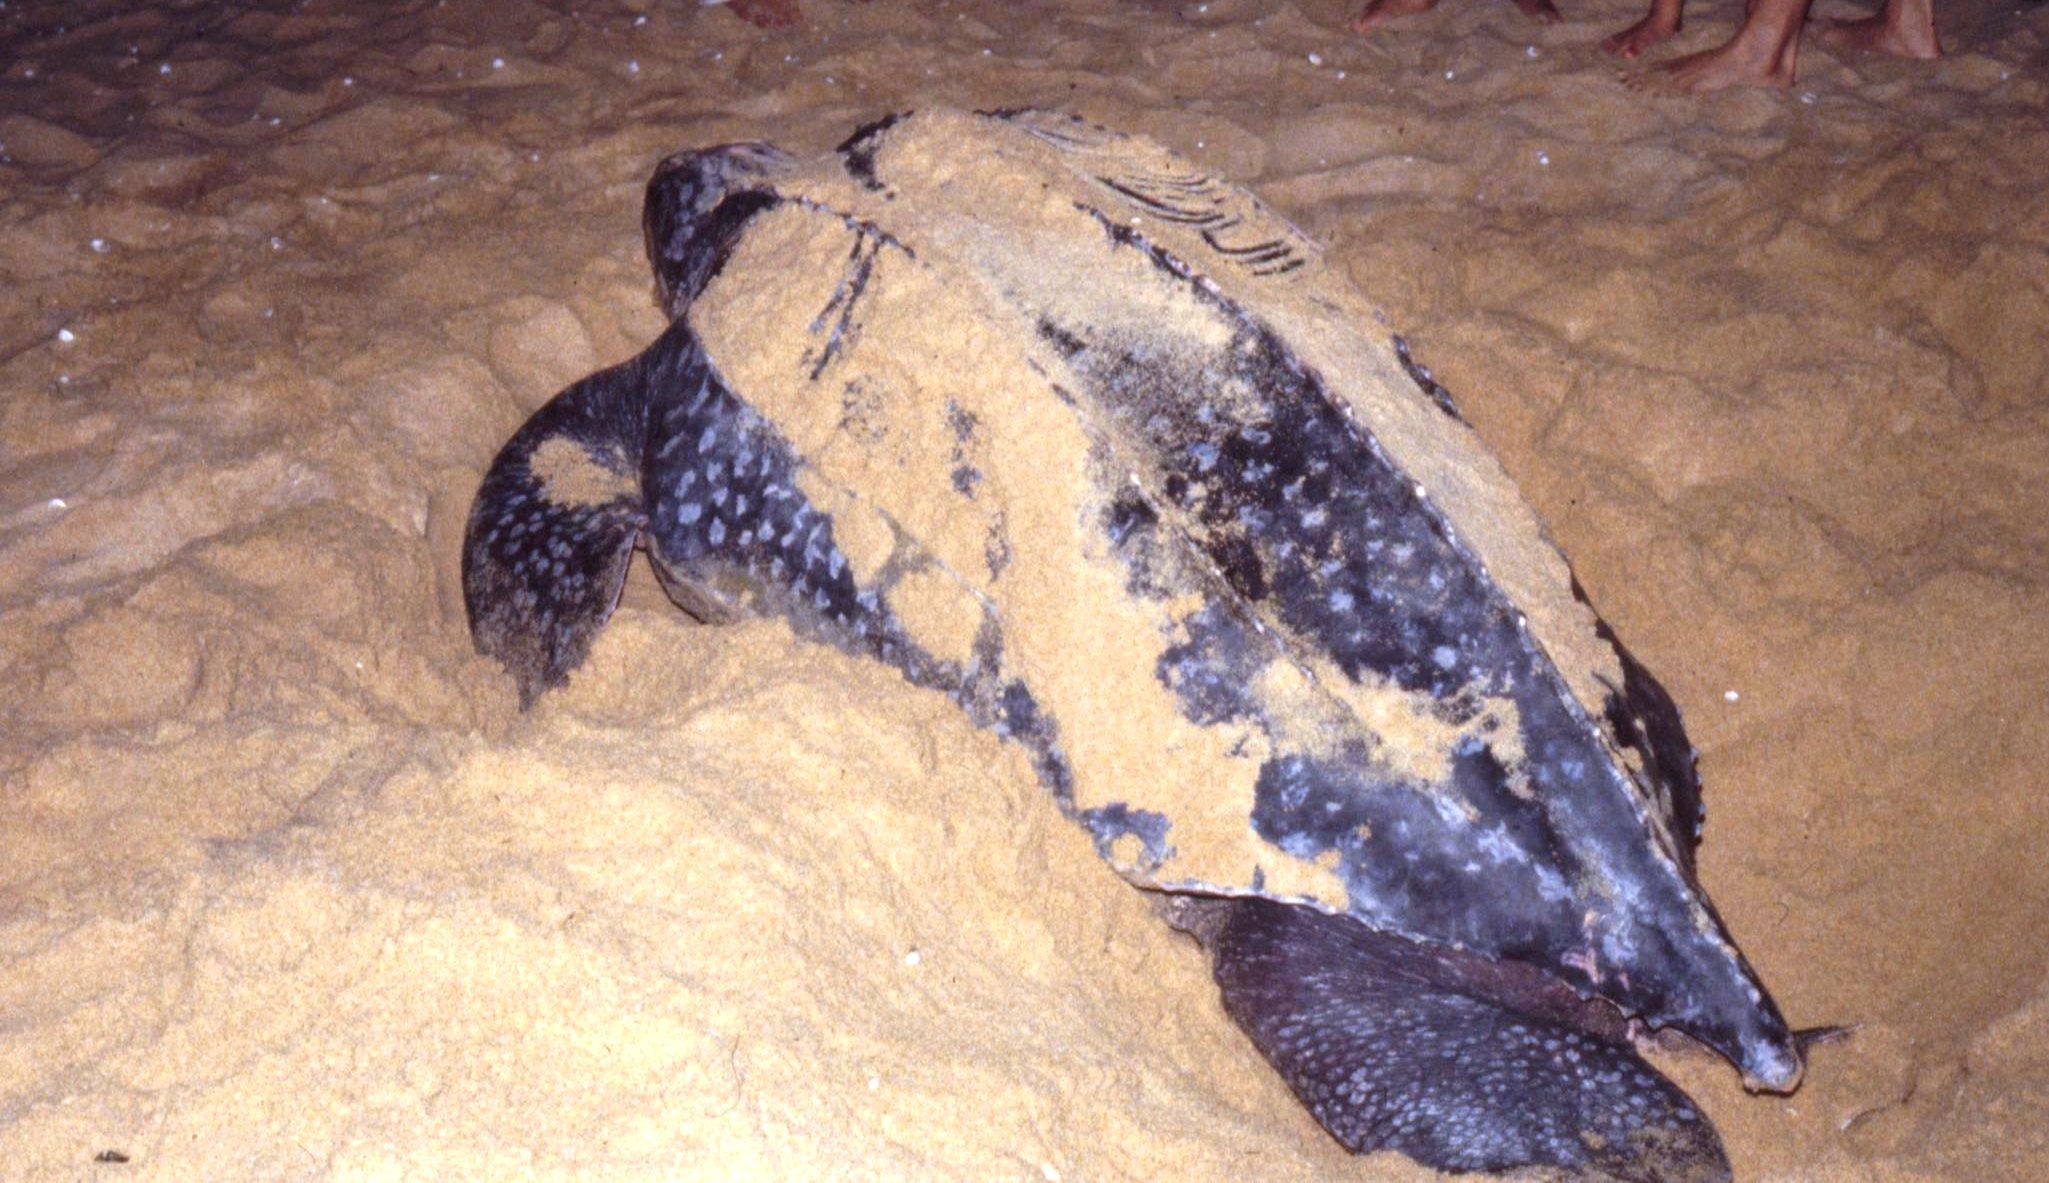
1455 1012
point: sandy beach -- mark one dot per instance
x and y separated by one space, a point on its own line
290 888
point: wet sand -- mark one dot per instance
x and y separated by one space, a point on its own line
291 889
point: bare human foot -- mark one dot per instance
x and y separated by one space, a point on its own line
1379 12
1764 52
1717 69
1541 11
1905 29
768 14
1660 22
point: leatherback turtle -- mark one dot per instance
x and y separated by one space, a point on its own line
1095 444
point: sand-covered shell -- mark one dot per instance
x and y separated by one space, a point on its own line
1096 444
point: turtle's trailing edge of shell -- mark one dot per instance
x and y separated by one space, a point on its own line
1545 818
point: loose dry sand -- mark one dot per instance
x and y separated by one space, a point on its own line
289 888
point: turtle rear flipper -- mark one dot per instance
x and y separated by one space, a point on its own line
1397 1045
554 525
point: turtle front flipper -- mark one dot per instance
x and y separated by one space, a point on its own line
1457 1062
696 205
656 451
554 526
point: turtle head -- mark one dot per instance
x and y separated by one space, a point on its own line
696 204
